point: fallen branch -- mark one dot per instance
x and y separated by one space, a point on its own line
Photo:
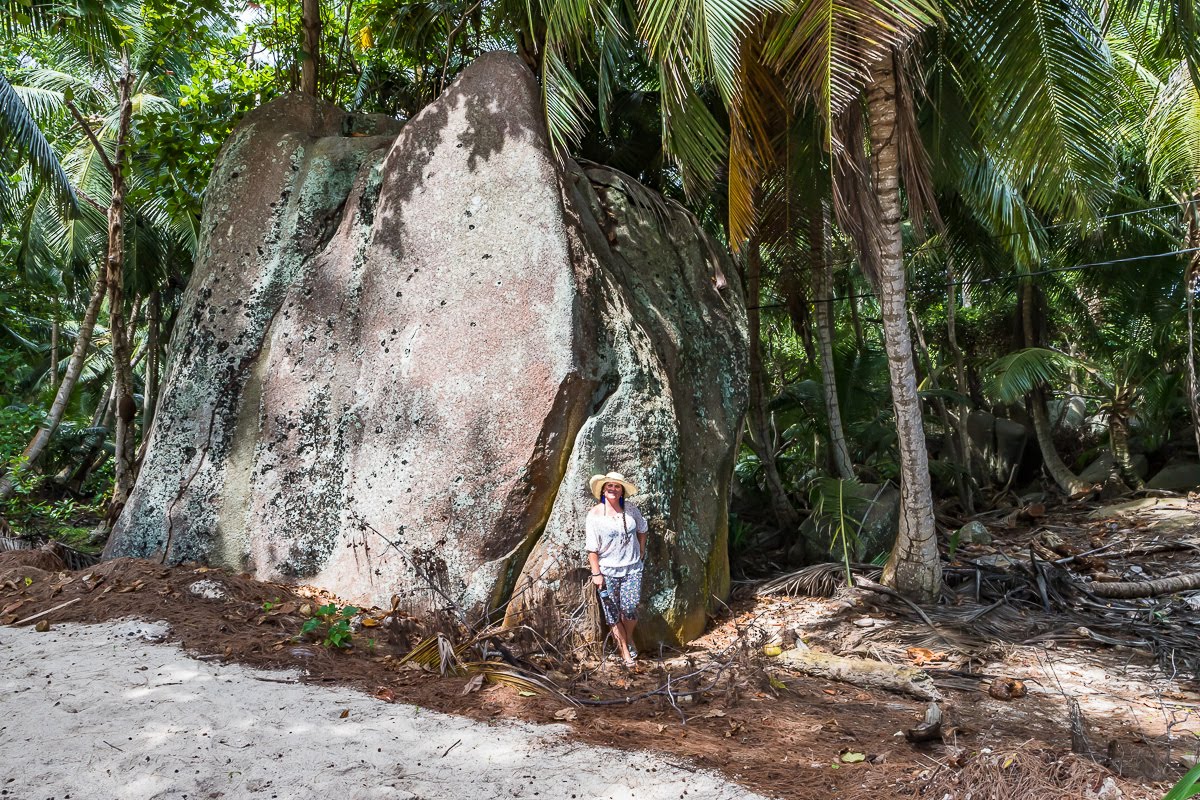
863 673
1127 590
41 614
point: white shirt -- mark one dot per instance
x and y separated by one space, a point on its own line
619 550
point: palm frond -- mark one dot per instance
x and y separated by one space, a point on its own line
827 48
1042 86
1013 376
18 128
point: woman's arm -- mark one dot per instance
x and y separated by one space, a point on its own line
594 562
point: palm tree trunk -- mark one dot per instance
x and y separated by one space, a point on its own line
53 356
960 382
1067 480
150 388
37 445
1118 439
1189 285
73 477
823 271
122 366
311 50
914 567
761 441
860 341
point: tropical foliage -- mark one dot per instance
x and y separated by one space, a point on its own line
943 210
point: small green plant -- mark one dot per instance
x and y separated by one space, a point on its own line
1188 786
269 604
834 503
332 625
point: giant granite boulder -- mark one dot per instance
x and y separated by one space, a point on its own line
403 351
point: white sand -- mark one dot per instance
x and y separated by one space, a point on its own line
100 711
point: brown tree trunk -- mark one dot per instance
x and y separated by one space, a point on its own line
122 356
1067 480
37 445
1118 439
914 567
822 270
150 388
860 341
761 440
311 49
1189 285
53 356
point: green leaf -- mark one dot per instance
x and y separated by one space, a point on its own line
1017 374
1188 786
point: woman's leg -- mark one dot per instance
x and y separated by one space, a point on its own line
618 632
631 595
616 590
627 626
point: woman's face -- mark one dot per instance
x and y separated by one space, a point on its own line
613 491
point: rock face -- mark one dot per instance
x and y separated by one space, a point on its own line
401 356
872 518
997 447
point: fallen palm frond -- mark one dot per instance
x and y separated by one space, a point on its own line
1037 601
441 655
437 654
1027 774
498 672
816 580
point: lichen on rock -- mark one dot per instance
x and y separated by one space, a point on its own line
401 355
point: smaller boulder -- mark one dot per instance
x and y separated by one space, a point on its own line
872 516
1105 466
1067 414
973 532
1177 477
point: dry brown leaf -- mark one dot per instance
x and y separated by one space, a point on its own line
474 684
385 694
566 714
42 626
662 728
370 622
345 713
923 655
715 712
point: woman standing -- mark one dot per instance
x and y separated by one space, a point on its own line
616 545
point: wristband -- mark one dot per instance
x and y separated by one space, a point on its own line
597 574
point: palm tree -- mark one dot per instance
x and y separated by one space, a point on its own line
100 95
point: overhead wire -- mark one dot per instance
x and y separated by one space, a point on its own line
997 236
1010 276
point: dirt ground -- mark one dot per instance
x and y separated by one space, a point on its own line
773 730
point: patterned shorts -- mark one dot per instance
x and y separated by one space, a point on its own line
624 594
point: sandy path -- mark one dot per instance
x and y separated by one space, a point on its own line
101 711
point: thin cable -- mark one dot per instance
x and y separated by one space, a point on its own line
1010 276
946 242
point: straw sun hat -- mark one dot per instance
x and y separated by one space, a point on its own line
597 483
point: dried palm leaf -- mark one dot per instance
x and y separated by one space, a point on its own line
816 580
